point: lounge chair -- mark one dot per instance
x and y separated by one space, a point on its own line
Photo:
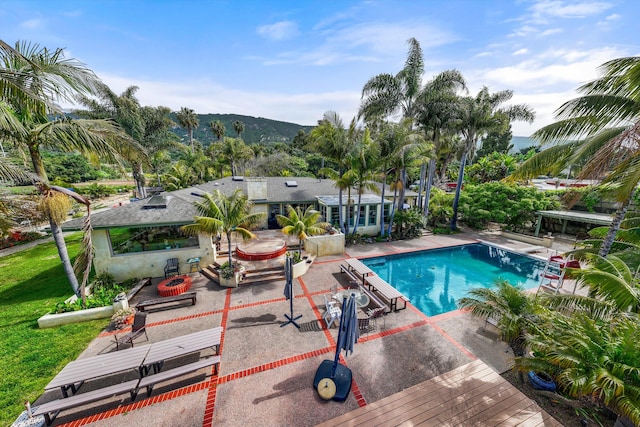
172 267
332 312
138 329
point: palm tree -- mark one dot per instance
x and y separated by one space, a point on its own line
590 359
218 129
238 126
477 116
385 94
436 113
235 150
511 306
230 215
188 119
45 73
603 130
332 140
302 225
364 165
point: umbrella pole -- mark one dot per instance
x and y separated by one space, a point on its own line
337 355
290 317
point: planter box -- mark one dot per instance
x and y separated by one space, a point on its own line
53 320
546 241
234 281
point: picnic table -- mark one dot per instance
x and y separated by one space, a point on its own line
75 373
357 266
180 346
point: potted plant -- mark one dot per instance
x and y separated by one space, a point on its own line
123 317
231 274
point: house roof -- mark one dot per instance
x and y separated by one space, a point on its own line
179 208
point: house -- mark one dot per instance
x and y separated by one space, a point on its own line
136 239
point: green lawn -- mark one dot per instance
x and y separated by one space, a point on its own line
32 283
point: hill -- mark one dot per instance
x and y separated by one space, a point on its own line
256 129
521 142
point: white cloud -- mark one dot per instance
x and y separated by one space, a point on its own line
520 52
279 31
550 32
483 54
613 17
32 24
205 96
568 9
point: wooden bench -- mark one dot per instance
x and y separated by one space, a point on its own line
50 410
141 284
142 305
151 380
353 278
387 292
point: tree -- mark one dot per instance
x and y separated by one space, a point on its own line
218 129
238 126
332 140
44 73
188 119
302 225
498 140
602 130
479 115
148 126
230 215
386 94
436 113
511 306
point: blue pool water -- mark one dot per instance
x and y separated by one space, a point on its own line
435 279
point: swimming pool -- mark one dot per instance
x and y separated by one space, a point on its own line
435 279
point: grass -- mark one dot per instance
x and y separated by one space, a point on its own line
33 281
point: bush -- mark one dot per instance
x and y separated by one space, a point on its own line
17 238
508 204
104 289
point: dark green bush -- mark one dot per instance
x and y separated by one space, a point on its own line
508 204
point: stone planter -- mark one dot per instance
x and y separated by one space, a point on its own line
234 281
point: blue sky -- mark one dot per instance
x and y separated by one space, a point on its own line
294 60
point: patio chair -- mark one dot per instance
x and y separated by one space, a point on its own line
375 313
365 325
172 267
139 327
332 312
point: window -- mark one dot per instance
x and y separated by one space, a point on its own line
373 215
361 216
146 239
335 217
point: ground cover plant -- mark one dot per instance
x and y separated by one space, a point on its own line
33 282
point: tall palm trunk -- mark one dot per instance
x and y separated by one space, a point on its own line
456 199
56 230
615 225
393 209
138 177
423 175
427 195
58 238
384 184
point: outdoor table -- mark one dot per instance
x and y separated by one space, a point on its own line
180 346
75 373
362 299
194 264
359 267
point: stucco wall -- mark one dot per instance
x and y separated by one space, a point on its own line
145 264
328 244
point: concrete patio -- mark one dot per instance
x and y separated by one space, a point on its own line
266 371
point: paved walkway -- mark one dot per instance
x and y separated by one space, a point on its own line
266 371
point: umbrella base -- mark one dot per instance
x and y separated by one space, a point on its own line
342 379
291 319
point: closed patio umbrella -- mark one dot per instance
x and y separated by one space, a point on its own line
332 379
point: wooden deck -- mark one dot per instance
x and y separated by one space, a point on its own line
471 395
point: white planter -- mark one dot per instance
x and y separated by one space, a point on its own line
234 281
53 320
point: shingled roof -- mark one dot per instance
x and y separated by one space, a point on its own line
179 208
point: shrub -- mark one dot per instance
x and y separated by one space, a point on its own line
17 238
508 204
